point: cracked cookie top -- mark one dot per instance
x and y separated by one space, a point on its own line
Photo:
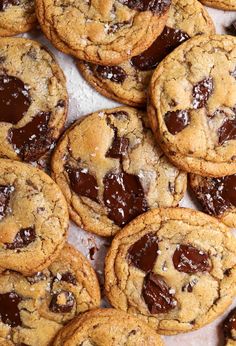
105 32
33 99
33 308
109 182
128 82
229 5
167 261
33 218
106 327
192 105
16 16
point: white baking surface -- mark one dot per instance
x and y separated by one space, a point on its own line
84 100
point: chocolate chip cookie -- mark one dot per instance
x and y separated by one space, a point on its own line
128 82
104 32
111 170
34 308
192 105
16 16
106 327
33 99
217 196
33 218
229 5
169 260
229 328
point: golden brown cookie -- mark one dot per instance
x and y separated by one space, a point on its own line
33 99
110 170
33 218
168 260
192 105
128 82
104 32
34 308
106 327
228 5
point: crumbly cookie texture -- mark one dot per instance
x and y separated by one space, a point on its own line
34 308
16 16
128 82
167 260
192 112
106 327
110 170
105 32
33 218
229 5
33 99
217 196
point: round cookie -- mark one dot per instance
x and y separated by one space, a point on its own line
217 196
167 260
33 99
192 105
110 170
128 82
106 327
33 218
228 5
34 308
104 32
229 328
16 16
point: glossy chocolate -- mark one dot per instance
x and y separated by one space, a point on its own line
82 182
156 294
124 197
164 45
188 259
57 307
227 131
22 239
143 253
115 74
32 140
118 148
201 92
177 121
66 277
14 99
9 309
5 193
229 325
155 6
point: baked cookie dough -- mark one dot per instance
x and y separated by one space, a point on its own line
217 196
16 16
106 327
228 5
110 170
33 218
104 32
128 82
229 328
169 260
192 105
34 308
33 99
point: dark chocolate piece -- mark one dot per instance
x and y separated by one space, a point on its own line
23 238
176 121
156 6
115 74
9 310
201 92
56 304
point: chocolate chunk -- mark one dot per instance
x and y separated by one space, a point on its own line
189 259
5 193
227 131
156 294
164 45
143 253
217 194
62 302
9 311
229 325
33 279
124 197
66 277
115 74
176 121
61 104
118 148
231 29
22 239
34 139
201 92
14 99
4 4
82 182
156 6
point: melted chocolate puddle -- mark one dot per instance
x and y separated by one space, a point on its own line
115 74
188 259
227 131
9 310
